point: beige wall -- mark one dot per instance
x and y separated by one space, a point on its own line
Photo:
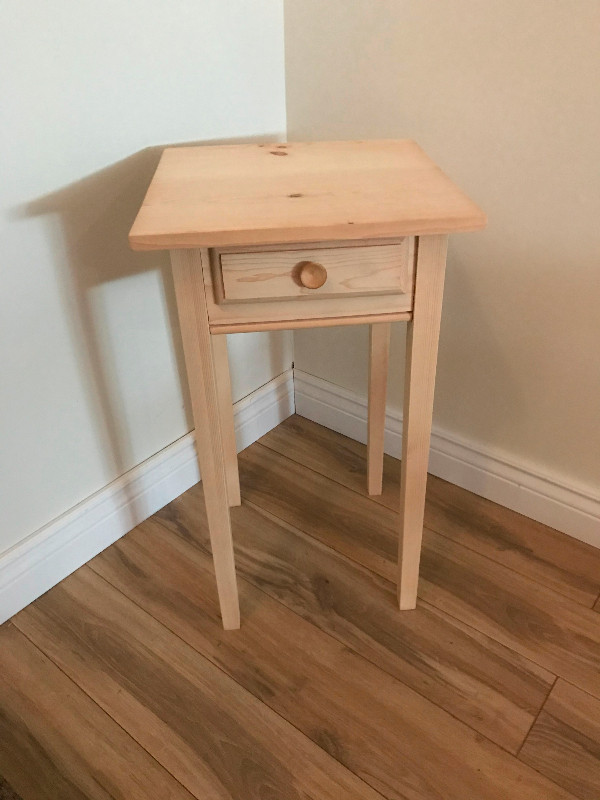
506 98
90 362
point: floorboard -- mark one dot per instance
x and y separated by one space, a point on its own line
399 743
564 743
495 691
551 630
216 738
538 552
121 683
56 743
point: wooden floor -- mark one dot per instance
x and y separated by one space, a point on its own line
120 682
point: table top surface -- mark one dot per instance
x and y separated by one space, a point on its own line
253 194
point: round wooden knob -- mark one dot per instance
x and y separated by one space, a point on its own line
311 274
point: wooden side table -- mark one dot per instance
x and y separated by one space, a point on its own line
267 237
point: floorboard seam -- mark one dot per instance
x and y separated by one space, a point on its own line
344 644
451 616
531 766
541 708
179 528
103 710
579 689
228 675
430 603
433 530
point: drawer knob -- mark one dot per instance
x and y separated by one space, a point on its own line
311 274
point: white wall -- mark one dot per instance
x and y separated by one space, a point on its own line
506 98
91 378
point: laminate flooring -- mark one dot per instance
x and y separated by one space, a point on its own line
121 683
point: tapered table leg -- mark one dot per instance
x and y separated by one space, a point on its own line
221 362
421 359
198 351
379 350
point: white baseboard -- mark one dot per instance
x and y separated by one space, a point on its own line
573 510
33 566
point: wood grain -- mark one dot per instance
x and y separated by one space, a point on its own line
536 551
551 630
207 409
223 379
351 524
56 744
493 690
564 743
270 275
291 322
379 350
555 632
419 382
297 192
540 553
327 691
216 738
296 312
352 709
338 457
310 274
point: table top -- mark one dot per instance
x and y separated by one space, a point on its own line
254 194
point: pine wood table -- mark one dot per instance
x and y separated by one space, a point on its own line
267 237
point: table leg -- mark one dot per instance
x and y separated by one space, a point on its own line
198 352
221 362
419 382
379 350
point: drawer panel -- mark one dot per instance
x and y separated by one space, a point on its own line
383 299
372 269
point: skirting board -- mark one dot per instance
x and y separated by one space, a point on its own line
572 510
50 554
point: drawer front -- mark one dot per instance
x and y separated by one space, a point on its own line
316 272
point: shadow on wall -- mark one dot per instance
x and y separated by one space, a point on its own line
91 252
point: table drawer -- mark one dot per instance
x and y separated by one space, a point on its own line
314 272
